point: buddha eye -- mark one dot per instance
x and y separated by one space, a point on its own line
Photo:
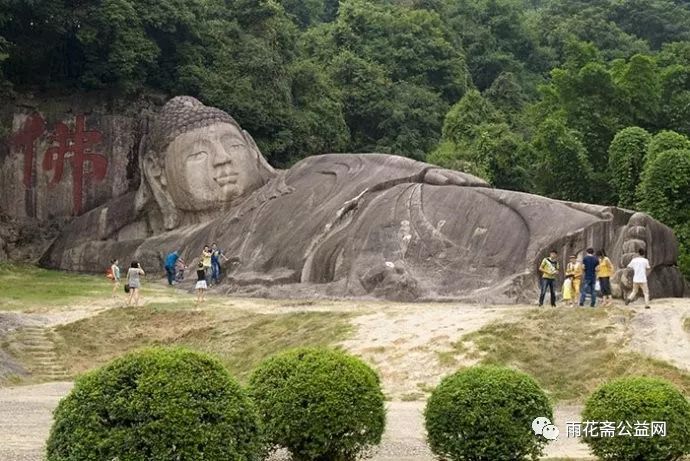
198 156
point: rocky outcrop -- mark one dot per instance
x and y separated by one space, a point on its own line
344 224
65 155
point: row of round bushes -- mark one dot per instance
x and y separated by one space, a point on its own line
175 404
324 405
486 413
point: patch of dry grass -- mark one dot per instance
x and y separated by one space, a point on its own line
239 338
569 351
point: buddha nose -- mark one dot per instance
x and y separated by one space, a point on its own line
221 156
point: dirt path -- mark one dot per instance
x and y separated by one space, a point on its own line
659 332
412 349
26 417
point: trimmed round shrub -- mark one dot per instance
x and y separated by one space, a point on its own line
320 404
485 413
156 404
644 400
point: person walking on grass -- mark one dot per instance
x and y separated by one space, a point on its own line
605 272
640 266
171 266
115 276
590 264
134 282
201 285
549 271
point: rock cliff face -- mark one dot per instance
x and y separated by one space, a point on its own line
333 225
61 157
65 155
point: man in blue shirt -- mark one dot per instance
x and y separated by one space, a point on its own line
590 263
170 262
216 254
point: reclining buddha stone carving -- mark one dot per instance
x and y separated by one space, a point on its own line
343 225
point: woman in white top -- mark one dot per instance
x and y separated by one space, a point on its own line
134 282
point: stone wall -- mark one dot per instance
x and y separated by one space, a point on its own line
65 155
61 156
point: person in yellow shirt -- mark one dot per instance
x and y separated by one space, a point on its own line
574 271
549 271
206 255
605 271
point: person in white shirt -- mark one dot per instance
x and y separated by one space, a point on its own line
640 266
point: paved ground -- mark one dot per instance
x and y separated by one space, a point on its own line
26 416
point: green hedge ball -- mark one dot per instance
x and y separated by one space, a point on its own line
156 405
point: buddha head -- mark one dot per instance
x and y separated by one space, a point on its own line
198 159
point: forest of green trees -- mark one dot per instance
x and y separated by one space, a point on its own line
585 100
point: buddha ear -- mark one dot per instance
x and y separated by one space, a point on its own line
264 167
154 175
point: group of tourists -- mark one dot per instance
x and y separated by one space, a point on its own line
207 269
590 276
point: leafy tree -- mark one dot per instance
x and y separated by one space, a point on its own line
665 194
504 155
466 143
507 94
655 21
640 89
307 13
496 38
663 141
457 157
563 170
559 23
666 187
588 96
412 120
365 89
626 159
466 115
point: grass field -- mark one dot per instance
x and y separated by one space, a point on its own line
29 288
24 287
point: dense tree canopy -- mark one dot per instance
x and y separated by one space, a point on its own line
494 87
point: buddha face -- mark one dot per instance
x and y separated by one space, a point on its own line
210 166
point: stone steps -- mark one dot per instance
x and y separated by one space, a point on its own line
43 361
